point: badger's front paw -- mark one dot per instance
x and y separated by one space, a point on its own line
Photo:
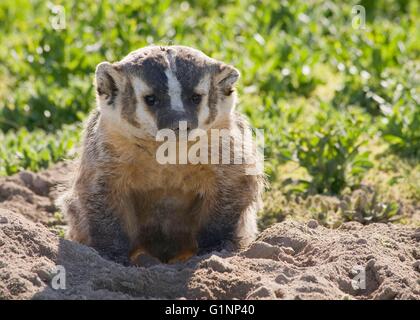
141 258
183 256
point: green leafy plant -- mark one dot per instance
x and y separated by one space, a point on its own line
329 150
365 207
402 131
36 150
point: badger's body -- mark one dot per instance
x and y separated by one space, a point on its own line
123 201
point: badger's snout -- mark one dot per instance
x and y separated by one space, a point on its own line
178 121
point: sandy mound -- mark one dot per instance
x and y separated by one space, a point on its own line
288 261
32 195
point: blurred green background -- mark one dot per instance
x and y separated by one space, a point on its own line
338 99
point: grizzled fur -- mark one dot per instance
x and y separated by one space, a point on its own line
122 199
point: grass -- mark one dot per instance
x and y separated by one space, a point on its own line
339 106
37 149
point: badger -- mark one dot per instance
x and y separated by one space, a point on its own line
123 201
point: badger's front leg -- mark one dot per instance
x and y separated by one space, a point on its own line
94 222
229 228
232 215
107 236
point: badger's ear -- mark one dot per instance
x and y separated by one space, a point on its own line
108 81
226 78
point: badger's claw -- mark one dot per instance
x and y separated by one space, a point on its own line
183 256
141 258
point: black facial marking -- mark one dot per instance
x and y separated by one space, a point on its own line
150 66
189 71
212 101
129 105
189 67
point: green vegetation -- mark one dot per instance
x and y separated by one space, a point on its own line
365 208
339 105
329 149
37 149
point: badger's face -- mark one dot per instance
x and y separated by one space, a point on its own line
158 87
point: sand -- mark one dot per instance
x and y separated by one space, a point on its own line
290 260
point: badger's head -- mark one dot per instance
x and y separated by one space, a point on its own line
155 88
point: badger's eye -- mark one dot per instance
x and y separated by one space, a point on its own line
150 100
196 98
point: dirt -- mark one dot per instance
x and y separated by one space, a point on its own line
290 260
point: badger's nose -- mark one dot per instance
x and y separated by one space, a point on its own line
177 122
180 125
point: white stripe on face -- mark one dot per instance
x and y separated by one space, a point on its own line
174 91
203 88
